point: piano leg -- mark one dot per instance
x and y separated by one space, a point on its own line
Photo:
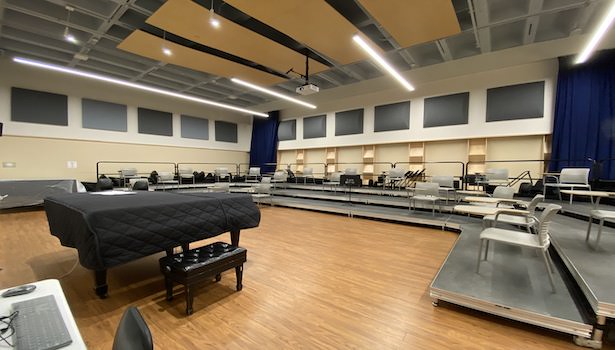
235 237
101 286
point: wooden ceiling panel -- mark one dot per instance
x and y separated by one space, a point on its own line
412 22
191 21
147 45
311 22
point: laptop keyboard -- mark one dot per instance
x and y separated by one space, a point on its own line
39 325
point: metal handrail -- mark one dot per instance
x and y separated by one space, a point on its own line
236 165
463 167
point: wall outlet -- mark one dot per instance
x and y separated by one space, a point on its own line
9 164
71 164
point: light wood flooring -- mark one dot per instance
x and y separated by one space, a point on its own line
312 281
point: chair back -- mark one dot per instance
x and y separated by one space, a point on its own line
266 180
335 177
504 192
531 206
254 171
496 174
104 184
427 189
132 332
140 185
443 181
185 171
128 172
396 172
544 222
165 176
263 187
574 176
308 172
221 172
350 171
279 175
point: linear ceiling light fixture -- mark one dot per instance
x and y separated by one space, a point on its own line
597 36
271 92
132 85
382 62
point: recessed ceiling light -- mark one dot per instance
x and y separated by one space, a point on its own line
84 74
167 51
382 62
271 92
606 22
69 37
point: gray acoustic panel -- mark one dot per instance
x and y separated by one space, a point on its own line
446 110
103 115
287 130
314 127
39 107
395 116
349 122
155 122
194 128
512 102
226 132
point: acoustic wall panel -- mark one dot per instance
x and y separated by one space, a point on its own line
287 130
194 128
394 116
226 132
314 127
349 122
521 101
155 122
446 110
39 107
103 115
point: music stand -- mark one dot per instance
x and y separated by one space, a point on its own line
350 180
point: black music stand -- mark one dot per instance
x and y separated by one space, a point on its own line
350 180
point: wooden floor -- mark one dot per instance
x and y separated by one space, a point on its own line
312 281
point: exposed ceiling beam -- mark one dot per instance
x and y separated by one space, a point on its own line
445 51
481 14
531 23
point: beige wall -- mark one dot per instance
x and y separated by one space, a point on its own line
46 158
315 159
516 148
352 155
391 153
454 150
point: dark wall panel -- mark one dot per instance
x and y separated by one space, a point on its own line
287 130
521 101
226 132
155 122
349 122
39 107
394 116
314 127
446 110
194 128
103 115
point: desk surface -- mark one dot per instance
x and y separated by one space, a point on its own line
491 200
482 211
588 193
47 287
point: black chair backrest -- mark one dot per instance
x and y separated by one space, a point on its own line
140 185
104 184
132 333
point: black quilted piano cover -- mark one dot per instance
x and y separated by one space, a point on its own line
111 230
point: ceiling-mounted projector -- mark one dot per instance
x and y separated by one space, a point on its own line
307 89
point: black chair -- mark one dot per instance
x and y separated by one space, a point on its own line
104 184
132 333
140 185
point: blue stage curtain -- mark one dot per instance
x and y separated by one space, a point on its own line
264 145
584 126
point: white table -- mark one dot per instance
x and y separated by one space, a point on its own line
492 200
483 211
47 287
592 194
